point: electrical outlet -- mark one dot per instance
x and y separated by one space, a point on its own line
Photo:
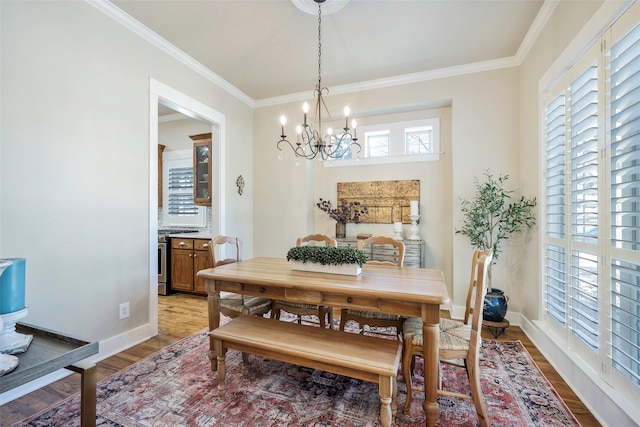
124 310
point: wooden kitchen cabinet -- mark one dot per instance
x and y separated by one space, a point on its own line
188 256
202 169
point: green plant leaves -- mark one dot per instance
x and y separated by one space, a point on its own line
327 255
491 217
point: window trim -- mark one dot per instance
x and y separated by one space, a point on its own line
177 159
398 128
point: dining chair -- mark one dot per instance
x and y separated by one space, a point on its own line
457 341
231 304
299 308
372 318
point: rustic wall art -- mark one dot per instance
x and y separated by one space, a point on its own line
387 201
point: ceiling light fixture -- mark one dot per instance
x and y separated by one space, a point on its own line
311 139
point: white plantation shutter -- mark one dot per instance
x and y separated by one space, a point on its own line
555 264
556 284
591 207
584 298
178 207
625 205
180 187
584 156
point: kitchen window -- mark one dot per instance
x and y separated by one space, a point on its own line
179 209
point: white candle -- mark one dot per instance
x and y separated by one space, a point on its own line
414 207
397 226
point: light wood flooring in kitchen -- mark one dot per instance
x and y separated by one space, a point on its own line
181 315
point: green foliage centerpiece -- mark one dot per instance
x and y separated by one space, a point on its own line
327 259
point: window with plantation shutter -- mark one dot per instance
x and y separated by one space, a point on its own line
584 298
592 206
555 265
555 168
556 284
625 205
181 192
584 156
178 206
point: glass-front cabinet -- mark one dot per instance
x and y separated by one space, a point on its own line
202 169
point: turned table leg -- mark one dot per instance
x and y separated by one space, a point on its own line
431 336
213 303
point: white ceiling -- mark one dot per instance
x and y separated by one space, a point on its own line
269 48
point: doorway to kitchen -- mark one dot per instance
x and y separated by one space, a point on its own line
163 95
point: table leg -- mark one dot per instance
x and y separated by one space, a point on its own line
88 378
222 368
213 300
431 336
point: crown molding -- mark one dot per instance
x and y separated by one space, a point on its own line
136 27
536 28
422 76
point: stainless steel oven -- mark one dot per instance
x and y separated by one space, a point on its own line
163 261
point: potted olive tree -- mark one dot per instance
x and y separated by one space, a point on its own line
488 219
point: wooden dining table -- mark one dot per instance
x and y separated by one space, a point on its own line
410 292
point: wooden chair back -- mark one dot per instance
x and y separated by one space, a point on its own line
316 238
472 286
218 243
382 240
483 261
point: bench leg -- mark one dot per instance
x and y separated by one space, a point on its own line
245 365
386 398
221 353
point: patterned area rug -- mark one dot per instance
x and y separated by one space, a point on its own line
175 387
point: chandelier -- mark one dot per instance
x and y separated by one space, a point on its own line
311 139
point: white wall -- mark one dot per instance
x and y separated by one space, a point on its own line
75 162
479 131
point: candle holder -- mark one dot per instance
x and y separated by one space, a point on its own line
7 363
414 227
12 342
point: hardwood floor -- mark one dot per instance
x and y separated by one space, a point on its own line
181 315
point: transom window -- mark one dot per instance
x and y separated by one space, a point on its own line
397 142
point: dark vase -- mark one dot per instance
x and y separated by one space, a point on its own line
495 305
341 230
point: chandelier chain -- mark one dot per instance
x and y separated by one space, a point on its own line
319 46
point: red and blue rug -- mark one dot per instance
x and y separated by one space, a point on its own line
175 387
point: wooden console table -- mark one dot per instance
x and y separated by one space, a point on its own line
50 351
413 251
411 292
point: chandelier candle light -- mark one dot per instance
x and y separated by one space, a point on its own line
310 140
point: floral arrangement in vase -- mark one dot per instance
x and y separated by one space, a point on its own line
345 212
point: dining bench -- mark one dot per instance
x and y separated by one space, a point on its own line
357 356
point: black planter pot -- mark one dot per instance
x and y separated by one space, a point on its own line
495 305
